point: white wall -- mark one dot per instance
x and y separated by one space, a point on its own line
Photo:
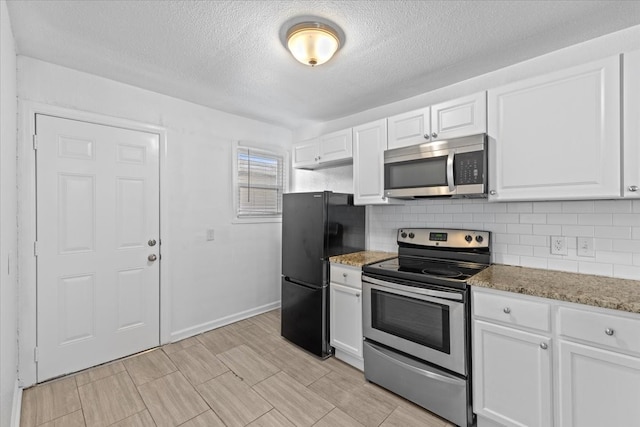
8 225
521 230
212 282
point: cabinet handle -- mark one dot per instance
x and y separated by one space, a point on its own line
435 135
344 275
609 331
544 346
319 157
384 197
506 310
358 294
633 188
492 192
426 136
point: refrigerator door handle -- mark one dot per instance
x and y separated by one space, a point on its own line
304 285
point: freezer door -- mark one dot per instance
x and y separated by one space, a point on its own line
303 237
304 317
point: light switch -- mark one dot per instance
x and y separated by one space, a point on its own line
586 247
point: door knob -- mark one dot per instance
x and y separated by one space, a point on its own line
152 257
152 242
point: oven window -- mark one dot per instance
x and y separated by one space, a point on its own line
416 173
422 322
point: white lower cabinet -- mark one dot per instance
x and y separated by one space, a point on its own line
597 387
345 314
581 368
512 376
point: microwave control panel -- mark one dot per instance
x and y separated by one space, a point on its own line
469 168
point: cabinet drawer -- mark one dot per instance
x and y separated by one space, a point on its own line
512 310
621 333
344 275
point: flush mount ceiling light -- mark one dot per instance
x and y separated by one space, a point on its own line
313 42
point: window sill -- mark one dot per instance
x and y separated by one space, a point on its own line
256 220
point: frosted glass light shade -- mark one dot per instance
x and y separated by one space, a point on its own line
312 43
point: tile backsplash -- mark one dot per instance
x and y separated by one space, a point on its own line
522 231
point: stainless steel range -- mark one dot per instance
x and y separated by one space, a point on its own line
416 319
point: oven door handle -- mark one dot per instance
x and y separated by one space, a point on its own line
433 375
422 291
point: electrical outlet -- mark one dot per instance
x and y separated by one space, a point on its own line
211 235
586 247
559 245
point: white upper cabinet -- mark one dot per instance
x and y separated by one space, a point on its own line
459 117
631 96
326 150
305 154
557 136
336 146
369 143
409 128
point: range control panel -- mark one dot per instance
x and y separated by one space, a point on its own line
446 238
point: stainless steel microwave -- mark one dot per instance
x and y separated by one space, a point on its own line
454 168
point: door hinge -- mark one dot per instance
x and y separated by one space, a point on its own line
35 142
36 354
35 248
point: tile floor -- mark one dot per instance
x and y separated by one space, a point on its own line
244 374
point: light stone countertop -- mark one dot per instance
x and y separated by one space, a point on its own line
598 291
359 259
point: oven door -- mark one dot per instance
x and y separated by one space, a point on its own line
429 324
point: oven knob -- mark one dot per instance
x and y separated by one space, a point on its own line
479 239
411 235
468 238
404 235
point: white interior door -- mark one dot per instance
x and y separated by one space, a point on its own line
98 290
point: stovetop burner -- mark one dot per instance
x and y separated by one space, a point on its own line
443 257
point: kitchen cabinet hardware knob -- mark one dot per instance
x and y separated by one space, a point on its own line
506 310
152 257
609 331
544 346
492 192
344 275
384 197
358 294
435 135
633 188
427 136
152 242
319 157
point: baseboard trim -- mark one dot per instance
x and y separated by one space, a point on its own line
204 327
17 406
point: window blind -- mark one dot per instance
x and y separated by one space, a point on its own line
260 182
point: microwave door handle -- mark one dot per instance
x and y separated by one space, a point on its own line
452 185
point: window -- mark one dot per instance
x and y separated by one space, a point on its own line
260 182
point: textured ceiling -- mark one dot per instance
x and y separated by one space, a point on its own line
228 54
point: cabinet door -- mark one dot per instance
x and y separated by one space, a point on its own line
345 317
305 154
460 117
598 387
369 143
631 185
409 128
335 146
511 376
557 136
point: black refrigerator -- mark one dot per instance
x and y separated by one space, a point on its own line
315 226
